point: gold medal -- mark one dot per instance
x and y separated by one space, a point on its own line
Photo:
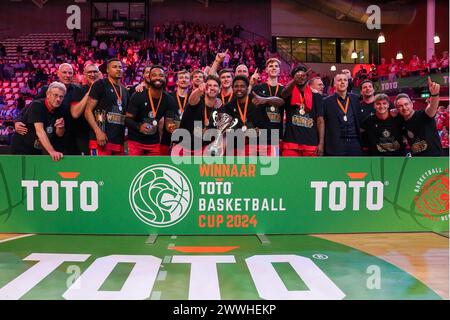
345 118
155 122
244 128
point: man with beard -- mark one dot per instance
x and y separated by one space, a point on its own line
91 74
67 143
267 96
148 112
202 109
250 119
180 96
342 136
367 101
304 133
105 112
383 132
198 77
44 122
419 126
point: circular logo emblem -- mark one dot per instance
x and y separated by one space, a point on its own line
434 196
386 133
160 195
410 134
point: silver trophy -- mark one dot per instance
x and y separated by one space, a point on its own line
100 118
222 122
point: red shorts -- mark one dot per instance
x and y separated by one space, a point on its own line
291 149
109 149
140 149
165 150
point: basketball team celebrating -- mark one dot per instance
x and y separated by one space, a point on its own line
262 119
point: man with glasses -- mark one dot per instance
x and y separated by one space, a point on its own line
81 127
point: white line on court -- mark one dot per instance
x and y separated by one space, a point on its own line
18 237
162 275
156 295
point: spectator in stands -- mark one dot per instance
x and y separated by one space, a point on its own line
8 71
444 62
2 50
414 65
383 70
403 70
393 69
433 64
20 102
19 65
2 66
424 68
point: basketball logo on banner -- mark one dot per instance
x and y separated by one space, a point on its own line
161 195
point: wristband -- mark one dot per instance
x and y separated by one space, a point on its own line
435 95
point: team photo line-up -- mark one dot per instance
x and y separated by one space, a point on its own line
217 112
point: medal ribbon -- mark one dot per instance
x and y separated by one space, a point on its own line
243 115
179 103
152 105
229 98
119 96
270 90
347 101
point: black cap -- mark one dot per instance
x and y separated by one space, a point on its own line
297 68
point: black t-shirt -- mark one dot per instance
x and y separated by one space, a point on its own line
36 112
366 110
109 110
302 129
253 119
195 114
383 137
66 143
80 125
422 135
141 110
177 116
271 115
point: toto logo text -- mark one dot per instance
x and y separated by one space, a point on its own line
338 192
160 195
49 193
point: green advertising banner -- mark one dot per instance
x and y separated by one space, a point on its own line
161 195
411 82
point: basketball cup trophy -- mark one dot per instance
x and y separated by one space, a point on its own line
100 118
223 122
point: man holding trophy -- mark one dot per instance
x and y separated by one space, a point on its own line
148 112
201 113
105 112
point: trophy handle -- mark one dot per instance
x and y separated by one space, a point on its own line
235 122
215 116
